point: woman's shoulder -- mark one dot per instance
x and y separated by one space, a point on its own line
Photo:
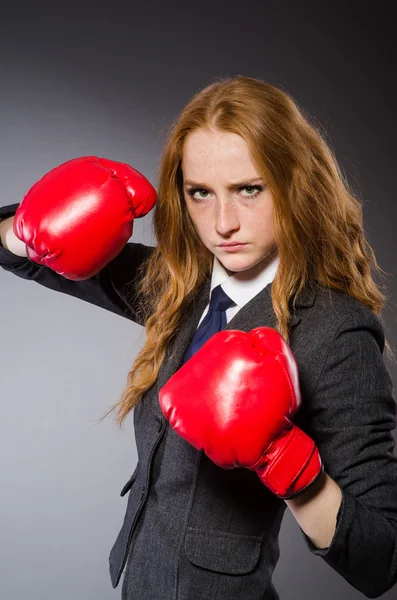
336 311
336 336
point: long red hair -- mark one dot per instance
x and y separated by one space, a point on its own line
318 223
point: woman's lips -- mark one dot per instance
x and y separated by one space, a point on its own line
232 247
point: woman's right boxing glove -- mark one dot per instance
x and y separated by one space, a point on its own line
80 215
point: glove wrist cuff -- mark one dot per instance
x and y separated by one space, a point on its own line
293 464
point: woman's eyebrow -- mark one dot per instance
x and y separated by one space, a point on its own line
232 186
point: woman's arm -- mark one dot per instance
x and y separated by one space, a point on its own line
316 510
9 240
112 288
351 417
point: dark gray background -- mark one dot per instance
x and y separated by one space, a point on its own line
108 79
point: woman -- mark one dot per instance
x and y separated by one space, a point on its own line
243 165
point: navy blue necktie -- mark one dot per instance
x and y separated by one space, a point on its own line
214 321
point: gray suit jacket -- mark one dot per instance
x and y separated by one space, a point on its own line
194 531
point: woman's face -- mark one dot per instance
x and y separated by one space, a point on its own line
227 199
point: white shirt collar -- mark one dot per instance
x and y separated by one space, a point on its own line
242 290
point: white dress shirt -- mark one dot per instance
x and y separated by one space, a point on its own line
241 287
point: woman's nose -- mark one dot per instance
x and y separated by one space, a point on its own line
226 217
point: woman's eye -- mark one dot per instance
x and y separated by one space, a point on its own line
192 192
252 192
254 188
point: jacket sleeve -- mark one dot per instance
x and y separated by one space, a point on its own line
112 288
351 416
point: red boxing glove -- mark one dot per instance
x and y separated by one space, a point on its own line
80 215
234 399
